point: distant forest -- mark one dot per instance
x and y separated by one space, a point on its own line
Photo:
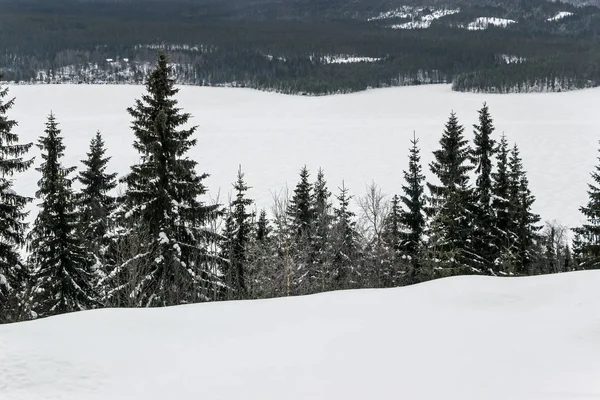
289 48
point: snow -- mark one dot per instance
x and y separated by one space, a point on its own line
425 21
484 22
346 59
467 338
511 59
357 137
560 15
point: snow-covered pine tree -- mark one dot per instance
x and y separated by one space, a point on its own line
504 236
392 230
449 205
344 243
262 226
94 200
412 216
13 273
59 259
162 211
300 209
240 238
484 149
586 245
322 218
523 219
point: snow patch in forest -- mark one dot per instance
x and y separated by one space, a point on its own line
482 23
424 21
511 59
560 15
475 337
347 59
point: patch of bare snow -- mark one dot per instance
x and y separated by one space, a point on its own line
560 15
484 22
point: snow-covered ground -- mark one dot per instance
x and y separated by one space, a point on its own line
560 15
484 22
356 137
467 338
348 59
424 21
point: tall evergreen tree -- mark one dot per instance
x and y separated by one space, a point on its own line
392 231
95 201
240 237
322 219
60 261
13 273
483 151
587 246
502 225
162 207
262 226
412 217
524 220
449 202
300 209
345 244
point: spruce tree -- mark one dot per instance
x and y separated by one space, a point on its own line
240 238
449 202
586 246
13 273
345 244
262 226
412 216
483 151
60 261
300 209
392 231
523 219
322 218
162 212
502 225
95 201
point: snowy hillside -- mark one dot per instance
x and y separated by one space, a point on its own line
467 338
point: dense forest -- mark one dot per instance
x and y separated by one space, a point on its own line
309 47
159 242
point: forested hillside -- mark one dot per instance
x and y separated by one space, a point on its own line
312 47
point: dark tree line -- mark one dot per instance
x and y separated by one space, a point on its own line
159 243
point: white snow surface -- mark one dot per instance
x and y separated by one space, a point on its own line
348 59
484 22
358 138
424 21
467 338
560 15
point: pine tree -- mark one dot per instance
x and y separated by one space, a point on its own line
392 232
345 244
502 225
262 227
523 219
13 273
481 156
322 218
450 201
412 217
61 264
162 211
300 209
587 244
242 230
95 202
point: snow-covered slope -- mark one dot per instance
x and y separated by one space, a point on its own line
467 338
560 15
484 22
356 138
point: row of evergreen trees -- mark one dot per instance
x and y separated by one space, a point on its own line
157 243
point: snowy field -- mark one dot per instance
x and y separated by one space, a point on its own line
357 137
464 338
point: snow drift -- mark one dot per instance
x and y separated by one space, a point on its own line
460 338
